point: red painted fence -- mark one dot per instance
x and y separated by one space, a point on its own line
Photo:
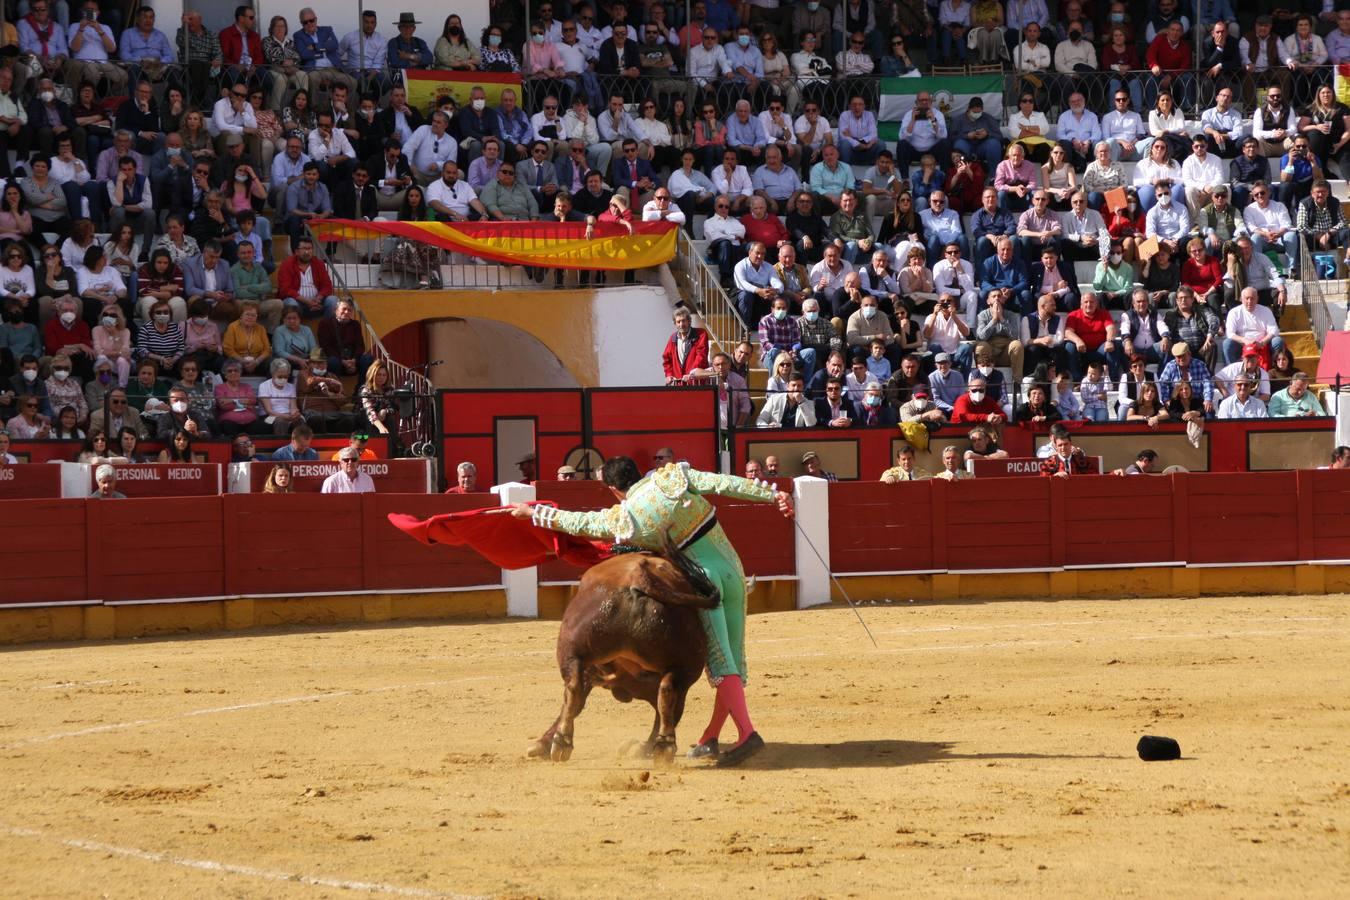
69 551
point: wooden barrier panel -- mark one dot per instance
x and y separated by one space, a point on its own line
881 527
997 523
391 476
293 543
1241 519
28 481
42 552
393 561
1117 521
762 536
1324 504
160 548
165 479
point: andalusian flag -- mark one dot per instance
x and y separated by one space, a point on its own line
951 94
554 245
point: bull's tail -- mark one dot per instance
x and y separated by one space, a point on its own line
704 594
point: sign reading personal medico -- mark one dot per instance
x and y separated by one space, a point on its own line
165 479
391 476
1016 467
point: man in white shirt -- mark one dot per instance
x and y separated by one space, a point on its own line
452 198
732 180
724 236
1242 405
1269 223
1250 325
813 131
946 331
660 209
287 168
1084 235
431 148
1201 173
1248 367
858 141
548 125
1144 332
956 276
348 479
827 278
923 129
1265 58
707 60
1167 221
329 147
233 114
363 50
1122 127
1224 126
777 126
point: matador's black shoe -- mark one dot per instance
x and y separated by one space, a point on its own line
707 750
743 751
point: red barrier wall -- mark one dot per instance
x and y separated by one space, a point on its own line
166 479
393 561
161 548
43 552
30 480
1116 521
584 496
881 527
1249 519
391 476
1324 514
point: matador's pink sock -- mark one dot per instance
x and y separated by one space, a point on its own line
719 718
731 694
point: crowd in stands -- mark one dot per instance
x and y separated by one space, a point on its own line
152 169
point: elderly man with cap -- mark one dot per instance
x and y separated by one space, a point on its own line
947 383
811 467
1249 366
466 479
921 408
348 479
529 468
1185 366
568 473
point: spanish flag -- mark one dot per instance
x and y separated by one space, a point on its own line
425 85
555 245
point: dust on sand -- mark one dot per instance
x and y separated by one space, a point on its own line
986 748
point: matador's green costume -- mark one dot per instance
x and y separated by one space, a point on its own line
670 501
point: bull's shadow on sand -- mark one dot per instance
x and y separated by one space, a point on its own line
881 754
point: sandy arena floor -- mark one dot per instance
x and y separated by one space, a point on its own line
985 749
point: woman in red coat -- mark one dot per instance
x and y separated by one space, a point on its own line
1203 274
686 353
1126 224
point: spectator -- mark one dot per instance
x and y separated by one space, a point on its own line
376 397
1142 465
321 400
1038 227
904 470
756 282
343 341
246 341
251 282
1144 331
299 449
1295 400
105 476
766 229
506 199
686 354
942 227
788 410
1066 460
976 406
1185 366
922 130
834 409
466 479
452 199
277 396
850 230
1038 409
947 383
181 418
734 409
1251 325
306 199
1169 223
407 51
1055 280
1090 333
983 444
207 277
1320 221
303 282
830 179
1131 388
117 416
1005 274
92 45
1198 327
1078 129
1242 404
998 332
1269 224
810 467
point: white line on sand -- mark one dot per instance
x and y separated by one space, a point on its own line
208 865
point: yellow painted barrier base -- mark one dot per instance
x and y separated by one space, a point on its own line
1111 584
93 623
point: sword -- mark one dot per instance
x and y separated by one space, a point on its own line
851 605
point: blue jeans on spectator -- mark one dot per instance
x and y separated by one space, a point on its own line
94 191
1288 245
849 153
1029 248
1078 362
964 356
724 254
988 151
953 49
1232 350
852 252
1097 414
329 307
1242 194
905 155
1148 195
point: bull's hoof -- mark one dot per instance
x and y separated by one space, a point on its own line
538 750
562 748
644 749
663 751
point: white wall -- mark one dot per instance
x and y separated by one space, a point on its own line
632 325
342 16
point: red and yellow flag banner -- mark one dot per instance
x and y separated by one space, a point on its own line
554 245
425 85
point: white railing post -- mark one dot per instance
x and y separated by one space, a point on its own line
521 585
811 499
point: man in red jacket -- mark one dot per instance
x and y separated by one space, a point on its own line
1169 59
303 282
975 405
686 353
241 51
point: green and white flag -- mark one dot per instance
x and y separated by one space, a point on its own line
950 93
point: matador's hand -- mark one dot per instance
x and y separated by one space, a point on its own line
784 501
522 510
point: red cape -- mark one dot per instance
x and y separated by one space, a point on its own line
501 538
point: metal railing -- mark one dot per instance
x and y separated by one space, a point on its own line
1317 288
703 292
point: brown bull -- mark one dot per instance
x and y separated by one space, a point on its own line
633 629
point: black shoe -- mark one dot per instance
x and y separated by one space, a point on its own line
743 751
706 750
